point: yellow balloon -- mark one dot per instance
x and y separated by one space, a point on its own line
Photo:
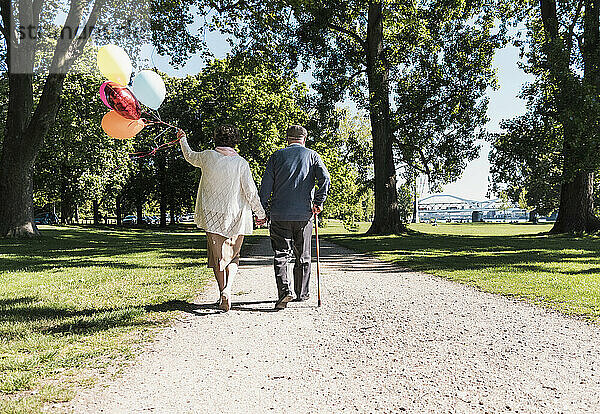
114 63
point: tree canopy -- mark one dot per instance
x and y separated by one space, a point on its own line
561 49
96 174
372 51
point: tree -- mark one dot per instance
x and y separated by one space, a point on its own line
31 112
78 161
355 46
527 158
441 98
28 121
344 145
261 101
563 52
406 201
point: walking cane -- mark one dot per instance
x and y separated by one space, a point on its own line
318 270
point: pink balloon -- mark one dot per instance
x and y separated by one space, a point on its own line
103 94
120 99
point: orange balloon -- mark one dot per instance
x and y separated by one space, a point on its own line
119 127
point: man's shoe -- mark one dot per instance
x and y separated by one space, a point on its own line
283 301
301 298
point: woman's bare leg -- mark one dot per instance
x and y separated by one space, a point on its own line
230 272
220 276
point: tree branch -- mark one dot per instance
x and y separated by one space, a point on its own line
352 77
353 35
223 9
88 28
68 48
572 27
5 12
424 160
37 9
549 20
580 43
64 42
424 168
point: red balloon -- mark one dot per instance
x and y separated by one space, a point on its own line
121 100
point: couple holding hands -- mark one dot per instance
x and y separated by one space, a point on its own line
227 196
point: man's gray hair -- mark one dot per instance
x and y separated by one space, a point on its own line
296 132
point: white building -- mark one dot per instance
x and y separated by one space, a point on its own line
446 207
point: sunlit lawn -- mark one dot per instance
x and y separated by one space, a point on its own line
76 301
511 259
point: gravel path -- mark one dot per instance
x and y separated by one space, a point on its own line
385 340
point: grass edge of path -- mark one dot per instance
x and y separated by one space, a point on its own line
559 270
65 316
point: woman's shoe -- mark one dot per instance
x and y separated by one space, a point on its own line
224 305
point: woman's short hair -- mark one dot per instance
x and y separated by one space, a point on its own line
226 136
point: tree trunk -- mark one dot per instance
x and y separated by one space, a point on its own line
163 212
415 217
575 214
24 136
76 213
66 211
533 217
172 216
162 190
96 209
118 211
576 210
140 213
16 203
66 208
387 214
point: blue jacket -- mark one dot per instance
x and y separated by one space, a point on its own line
287 191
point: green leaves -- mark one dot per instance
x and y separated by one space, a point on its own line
527 157
79 162
441 99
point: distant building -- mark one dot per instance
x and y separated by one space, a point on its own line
446 207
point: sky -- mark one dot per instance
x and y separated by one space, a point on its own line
504 104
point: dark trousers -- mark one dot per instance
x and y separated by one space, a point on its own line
287 238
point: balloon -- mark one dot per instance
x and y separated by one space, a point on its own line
114 63
149 88
121 128
120 99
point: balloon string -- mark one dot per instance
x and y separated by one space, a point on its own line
144 154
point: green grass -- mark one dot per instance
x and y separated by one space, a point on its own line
77 303
78 300
510 259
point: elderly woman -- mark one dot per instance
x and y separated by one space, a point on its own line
226 198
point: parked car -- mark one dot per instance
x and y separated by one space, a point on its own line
129 220
187 218
46 218
147 220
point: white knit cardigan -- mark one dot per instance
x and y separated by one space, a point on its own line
227 194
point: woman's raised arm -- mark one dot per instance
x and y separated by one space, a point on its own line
193 157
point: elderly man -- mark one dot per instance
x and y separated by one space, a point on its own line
288 195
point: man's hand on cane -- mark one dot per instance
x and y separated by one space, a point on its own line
316 209
180 133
